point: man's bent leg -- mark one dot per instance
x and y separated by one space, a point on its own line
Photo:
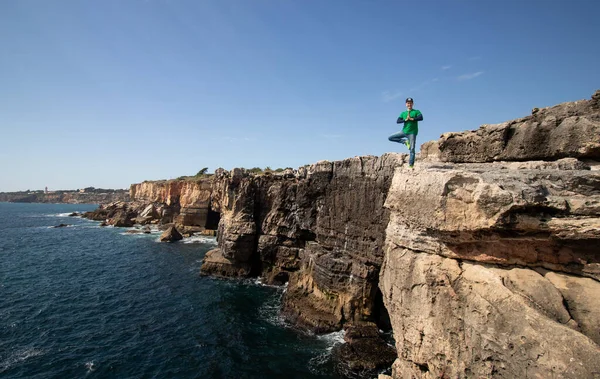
397 137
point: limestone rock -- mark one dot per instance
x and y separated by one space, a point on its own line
338 210
565 130
123 218
364 354
147 215
458 320
216 264
494 214
582 297
537 292
484 280
149 211
171 235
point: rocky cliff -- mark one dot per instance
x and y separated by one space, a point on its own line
494 271
320 228
484 260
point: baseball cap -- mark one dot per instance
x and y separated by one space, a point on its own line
409 100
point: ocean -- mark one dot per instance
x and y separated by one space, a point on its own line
88 302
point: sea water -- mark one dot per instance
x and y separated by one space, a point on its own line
85 301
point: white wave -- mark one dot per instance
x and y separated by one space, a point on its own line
139 233
316 363
18 357
269 311
333 339
258 281
90 366
67 214
200 239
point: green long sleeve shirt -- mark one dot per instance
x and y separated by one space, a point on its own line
411 126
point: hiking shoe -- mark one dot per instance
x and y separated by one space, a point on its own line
407 143
411 166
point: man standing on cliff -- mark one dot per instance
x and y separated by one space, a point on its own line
408 136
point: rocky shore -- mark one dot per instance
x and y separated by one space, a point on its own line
484 260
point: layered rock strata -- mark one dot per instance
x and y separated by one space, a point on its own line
321 229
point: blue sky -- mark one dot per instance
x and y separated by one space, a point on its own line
113 92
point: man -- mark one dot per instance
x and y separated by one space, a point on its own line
408 135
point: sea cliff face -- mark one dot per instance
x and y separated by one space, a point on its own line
320 228
484 260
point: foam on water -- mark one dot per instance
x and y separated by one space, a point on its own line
61 215
258 282
200 239
269 310
333 338
90 366
17 357
317 363
64 214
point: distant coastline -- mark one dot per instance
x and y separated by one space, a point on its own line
88 195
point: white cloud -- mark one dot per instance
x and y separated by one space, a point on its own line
470 76
331 136
388 96
423 84
234 139
444 68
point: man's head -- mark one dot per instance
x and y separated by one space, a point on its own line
409 103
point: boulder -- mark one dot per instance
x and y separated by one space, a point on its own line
171 235
364 354
123 218
216 264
